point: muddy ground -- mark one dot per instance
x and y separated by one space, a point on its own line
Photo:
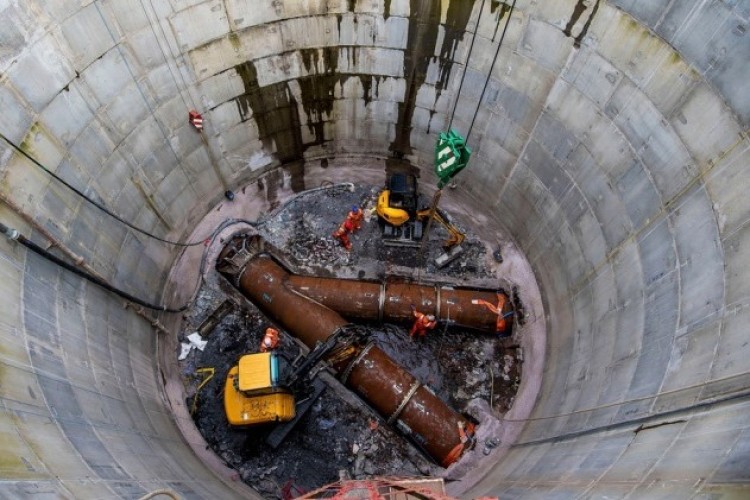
340 436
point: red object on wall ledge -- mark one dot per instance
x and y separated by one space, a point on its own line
195 119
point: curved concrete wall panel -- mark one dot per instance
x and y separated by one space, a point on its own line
611 144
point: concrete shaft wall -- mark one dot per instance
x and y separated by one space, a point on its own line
611 143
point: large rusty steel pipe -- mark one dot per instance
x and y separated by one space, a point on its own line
387 387
372 301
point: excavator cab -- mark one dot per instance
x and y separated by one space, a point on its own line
264 388
397 209
253 393
403 223
397 204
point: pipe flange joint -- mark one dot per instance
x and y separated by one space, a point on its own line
348 370
437 301
381 302
238 277
409 394
236 280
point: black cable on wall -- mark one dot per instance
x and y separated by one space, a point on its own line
96 204
23 240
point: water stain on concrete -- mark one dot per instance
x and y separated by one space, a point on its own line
504 9
275 112
318 88
296 171
456 21
424 22
578 11
424 27
274 180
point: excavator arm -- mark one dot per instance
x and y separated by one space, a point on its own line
456 236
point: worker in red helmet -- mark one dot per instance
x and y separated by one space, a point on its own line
501 323
342 234
422 323
355 218
270 340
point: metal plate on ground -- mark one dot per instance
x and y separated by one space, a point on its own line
277 436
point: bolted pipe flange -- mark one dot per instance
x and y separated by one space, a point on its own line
348 370
409 394
381 302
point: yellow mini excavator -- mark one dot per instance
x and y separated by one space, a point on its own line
264 388
254 394
402 223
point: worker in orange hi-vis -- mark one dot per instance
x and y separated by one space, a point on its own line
342 234
496 309
355 218
270 340
352 222
422 323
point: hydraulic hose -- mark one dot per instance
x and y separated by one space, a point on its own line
13 234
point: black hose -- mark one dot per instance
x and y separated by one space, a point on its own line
15 235
97 205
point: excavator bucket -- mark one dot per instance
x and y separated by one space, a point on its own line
446 258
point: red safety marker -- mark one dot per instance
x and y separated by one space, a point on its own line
195 119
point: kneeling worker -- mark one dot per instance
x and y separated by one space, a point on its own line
422 323
270 340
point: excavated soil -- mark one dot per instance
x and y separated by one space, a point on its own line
340 437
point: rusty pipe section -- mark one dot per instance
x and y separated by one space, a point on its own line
392 391
372 301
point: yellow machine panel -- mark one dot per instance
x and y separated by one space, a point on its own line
264 405
394 216
255 372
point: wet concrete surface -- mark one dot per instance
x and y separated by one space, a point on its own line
341 436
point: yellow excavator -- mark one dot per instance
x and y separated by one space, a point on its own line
254 393
401 221
264 388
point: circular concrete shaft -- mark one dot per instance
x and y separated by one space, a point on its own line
611 145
